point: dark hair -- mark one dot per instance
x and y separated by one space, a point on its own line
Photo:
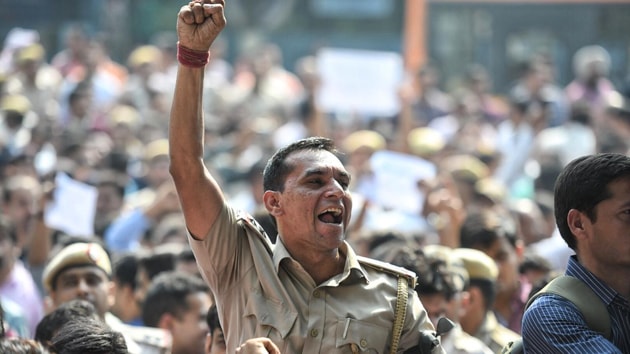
125 269
212 319
583 184
277 168
21 346
488 290
437 279
88 336
534 262
155 263
168 293
66 312
433 275
482 228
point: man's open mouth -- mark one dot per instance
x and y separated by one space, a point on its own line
331 216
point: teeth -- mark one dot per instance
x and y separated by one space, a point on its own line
335 211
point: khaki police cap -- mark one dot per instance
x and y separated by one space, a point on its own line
156 148
454 265
478 264
425 141
74 255
465 167
15 102
363 139
145 54
33 52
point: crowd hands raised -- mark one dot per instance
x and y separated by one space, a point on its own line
475 223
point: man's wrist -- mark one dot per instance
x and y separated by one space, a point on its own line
192 58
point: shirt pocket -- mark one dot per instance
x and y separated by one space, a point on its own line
354 336
270 318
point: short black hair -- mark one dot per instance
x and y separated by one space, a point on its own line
277 169
167 294
86 335
21 346
583 184
66 312
482 228
212 319
125 269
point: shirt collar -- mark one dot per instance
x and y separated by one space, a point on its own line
352 270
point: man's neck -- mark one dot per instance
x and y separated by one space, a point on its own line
614 276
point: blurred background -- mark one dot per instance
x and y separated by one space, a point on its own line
499 34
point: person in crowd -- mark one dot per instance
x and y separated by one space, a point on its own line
215 341
21 346
88 336
178 303
56 319
150 265
479 319
82 270
37 81
16 283
126 306
495 235
591 82
442 279
310 284
591 196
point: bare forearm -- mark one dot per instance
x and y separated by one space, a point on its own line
186 129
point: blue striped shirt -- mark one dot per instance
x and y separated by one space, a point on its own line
553 324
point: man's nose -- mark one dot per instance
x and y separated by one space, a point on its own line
83 289
335 189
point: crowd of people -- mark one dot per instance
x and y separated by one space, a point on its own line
226 212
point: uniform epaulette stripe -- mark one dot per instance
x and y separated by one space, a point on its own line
389 268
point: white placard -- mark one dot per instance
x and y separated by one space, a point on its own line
73 207
359 81
396 180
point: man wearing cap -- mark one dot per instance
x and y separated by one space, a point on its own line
82 270
36 80
442 279
15 112
479 319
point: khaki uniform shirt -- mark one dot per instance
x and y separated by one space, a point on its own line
495 335
262 292
456 341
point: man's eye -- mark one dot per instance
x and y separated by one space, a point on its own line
67 283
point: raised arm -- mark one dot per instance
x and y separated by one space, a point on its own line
198 25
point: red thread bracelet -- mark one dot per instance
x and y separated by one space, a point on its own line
192 58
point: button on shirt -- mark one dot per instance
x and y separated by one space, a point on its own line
262 292
553 324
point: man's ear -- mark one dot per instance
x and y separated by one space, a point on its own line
166 322
271 199
111 293
577 222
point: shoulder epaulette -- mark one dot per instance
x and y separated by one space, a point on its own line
390 269
253 224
